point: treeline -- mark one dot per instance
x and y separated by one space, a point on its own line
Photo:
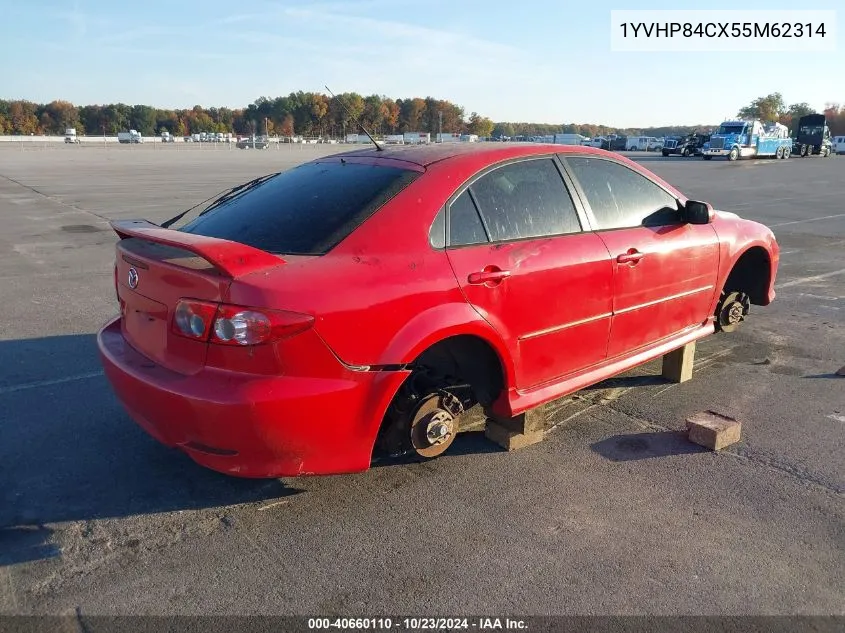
299 113
316 114
591 130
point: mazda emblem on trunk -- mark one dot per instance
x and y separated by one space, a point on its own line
133 278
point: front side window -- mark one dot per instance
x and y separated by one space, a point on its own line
620 197
525 199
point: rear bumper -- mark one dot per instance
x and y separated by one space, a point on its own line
250 425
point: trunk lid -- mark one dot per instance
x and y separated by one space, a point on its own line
156 267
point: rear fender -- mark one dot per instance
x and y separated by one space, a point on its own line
439 323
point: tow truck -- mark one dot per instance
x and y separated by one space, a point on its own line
749 139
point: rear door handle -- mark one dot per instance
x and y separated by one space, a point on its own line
490 274
631 257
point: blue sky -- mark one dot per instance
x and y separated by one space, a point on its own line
517 60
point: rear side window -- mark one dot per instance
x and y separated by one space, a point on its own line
620 197
306 210
525 199
465 225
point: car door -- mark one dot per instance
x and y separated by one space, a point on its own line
665 270
517 248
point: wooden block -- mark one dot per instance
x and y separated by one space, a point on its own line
677 365
713 430
509 439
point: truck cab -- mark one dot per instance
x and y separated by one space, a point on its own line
689 145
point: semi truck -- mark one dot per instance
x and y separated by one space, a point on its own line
70 135
746 139
690 145
812 137
132 136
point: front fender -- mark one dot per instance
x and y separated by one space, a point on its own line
441 322
736 237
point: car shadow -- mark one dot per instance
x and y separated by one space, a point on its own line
466 443
636 446
69 452
830 375
25 544
629 381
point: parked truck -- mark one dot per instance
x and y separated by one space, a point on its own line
132 136
417 138
748 139
812 137
70 135
568 139
689 145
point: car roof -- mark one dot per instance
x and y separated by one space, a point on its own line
425 155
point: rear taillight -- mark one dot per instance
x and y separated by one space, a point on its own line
193 318
235 325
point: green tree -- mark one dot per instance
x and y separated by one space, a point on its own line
480 125
768 108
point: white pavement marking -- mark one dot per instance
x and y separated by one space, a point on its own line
826 217
838 418
804 280
47 383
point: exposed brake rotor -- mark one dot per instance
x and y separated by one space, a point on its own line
732 311
435 424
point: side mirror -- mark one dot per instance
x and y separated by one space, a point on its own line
696 212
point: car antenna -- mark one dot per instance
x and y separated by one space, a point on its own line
379 148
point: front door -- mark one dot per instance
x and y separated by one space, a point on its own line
665 271
522 261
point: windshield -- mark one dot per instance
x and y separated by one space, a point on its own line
731 129
811 130
304 211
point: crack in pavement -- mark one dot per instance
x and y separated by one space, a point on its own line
743 454
55 200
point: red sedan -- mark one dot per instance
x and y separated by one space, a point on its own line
364 300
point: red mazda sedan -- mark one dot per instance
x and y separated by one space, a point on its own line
365 300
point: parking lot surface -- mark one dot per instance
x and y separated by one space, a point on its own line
615 513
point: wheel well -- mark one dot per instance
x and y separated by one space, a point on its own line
469 358
450 365
751 274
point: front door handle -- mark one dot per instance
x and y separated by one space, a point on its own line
490 275
631 257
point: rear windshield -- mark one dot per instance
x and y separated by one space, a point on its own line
306 210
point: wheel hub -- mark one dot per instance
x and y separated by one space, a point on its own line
435 424
735 313
439 428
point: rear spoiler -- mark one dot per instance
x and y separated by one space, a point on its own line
231 258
